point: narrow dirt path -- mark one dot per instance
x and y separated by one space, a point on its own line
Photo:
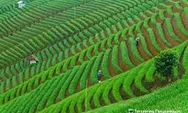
177 30
167 35
151 48
133 59
121 64
157 36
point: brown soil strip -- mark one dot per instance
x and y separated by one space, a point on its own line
147 85
111 96
83 106
102 102
159 40
150 24
141 17
6 75
158 83
89 81
134 20
106 45
148 41
75 109
168 3
56 97
157 36
78 83
183 4
123 94
85 58
167 15
175 9
128 22
100 48
111 69
116 26
92 103
141 49
142 52
159 20
184 20
167 35
177 30
1 79
11 83
68 110
112 31
135 90
121 64
148 14
133 59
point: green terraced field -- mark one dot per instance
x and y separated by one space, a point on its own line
74 39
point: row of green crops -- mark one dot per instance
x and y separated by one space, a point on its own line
172 98
47 52
113 90
29 17
65 64
66 84
32 42
100 37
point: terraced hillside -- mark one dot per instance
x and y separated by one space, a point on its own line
74 39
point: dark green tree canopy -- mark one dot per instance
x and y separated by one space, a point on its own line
165 62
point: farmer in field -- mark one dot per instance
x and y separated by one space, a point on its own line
32 59
137 41
99 75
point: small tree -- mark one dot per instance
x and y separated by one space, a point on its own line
166 62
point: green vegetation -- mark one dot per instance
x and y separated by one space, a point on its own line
74 39
172 96
166 62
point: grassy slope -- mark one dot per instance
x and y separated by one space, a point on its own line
153 99
173 97
103 85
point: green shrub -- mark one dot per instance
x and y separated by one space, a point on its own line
166 62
